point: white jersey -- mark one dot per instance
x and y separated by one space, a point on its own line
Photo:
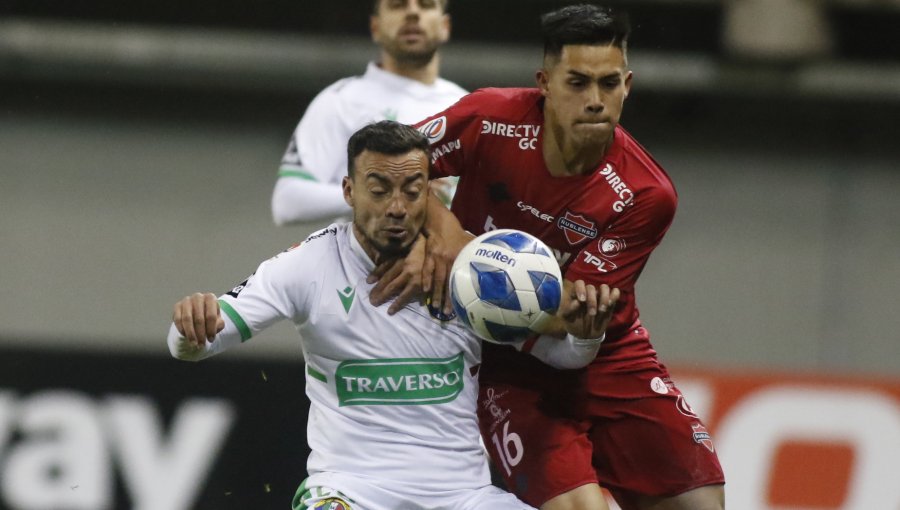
392 397
318 148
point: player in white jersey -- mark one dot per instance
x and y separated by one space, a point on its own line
403 86
392 421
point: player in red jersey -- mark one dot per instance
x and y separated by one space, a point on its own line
554 162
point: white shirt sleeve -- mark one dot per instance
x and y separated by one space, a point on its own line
309 179
281 288
566 354
298 200
180 348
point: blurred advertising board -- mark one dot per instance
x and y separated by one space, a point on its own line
801 441
103 431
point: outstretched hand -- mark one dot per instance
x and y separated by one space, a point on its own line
198 318
587 309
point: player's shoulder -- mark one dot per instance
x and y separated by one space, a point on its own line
332 101
343 86
345 94
502 102
317 246
641 166
326 239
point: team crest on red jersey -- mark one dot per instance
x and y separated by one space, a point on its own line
701 436
577 228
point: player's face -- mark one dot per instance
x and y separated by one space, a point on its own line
585 90
388 195
410 30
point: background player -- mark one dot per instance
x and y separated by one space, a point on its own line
403 86
385 392
554 162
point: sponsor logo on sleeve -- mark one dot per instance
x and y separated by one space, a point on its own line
602 265
239 287
435 130
292 155
685 408
445 149
611 246
659 386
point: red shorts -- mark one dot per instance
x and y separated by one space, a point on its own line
551 431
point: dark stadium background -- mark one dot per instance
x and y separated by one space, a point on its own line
137 157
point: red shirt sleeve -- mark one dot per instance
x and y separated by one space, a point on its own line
450 132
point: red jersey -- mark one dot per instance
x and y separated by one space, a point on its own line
602 226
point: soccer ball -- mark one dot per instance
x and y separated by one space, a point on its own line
505 285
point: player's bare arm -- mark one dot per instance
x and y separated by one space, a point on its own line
198 318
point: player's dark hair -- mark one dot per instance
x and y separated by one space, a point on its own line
385 137
584 24
377 3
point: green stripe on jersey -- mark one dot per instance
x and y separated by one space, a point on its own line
300 174
315 374
300 496
237 320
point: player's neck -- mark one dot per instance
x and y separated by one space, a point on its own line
564 159
426 74
366 245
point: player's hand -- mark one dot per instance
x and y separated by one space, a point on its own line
439 257
587 309
399 278
198 318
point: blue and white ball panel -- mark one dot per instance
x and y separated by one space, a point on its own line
547 289
493 285
458 307
516 241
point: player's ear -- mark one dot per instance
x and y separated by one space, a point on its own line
543 80
628 77
347 187
446 26
374 24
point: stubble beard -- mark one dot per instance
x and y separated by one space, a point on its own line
383 251
412 58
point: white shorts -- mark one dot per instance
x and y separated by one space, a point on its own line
360 495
